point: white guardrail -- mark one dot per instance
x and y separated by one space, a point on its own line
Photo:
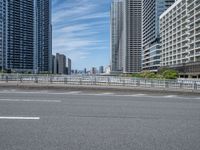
102 81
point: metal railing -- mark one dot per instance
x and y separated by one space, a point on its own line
18 79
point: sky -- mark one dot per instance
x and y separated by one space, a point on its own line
81 31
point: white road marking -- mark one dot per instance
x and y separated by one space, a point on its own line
139 95
30 100
170 96
106 93
72 92
19 118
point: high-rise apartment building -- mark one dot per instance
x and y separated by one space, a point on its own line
116 29
151 52
126 35
180 37
19 35
25 28
2 33
43 36
132 36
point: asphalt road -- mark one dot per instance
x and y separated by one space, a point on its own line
102 121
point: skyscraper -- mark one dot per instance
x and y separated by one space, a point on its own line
2 33
151 53
126 35
133 39
19 35
43 61
116 35
25 35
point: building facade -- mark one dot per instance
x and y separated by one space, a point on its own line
19 35
60 64
126 40
2 33
132 36
69 66
116 35
180 37
43 36
151 52
25 40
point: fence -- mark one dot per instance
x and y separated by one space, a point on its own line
101 81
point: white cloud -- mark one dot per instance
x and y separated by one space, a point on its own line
78 27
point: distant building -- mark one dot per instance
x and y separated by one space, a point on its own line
93 71
69 66
60 64
53 64
85 71
101 69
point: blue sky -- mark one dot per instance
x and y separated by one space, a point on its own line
81 31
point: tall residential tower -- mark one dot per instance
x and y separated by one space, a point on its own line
43 53
126 36
116 35
132 36
151 52
25 35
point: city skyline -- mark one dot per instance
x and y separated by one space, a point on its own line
81 31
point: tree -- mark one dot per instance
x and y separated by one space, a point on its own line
170 74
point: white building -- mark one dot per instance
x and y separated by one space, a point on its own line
180 35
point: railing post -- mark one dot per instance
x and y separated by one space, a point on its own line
181 85
145 82
166 84
138 82
51 80
195 85
6 78
80 81
65 81
36 79
152 84
95 80
124 82
108 80
21 79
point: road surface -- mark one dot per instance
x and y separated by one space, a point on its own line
75 120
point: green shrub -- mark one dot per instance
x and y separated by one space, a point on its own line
170 74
